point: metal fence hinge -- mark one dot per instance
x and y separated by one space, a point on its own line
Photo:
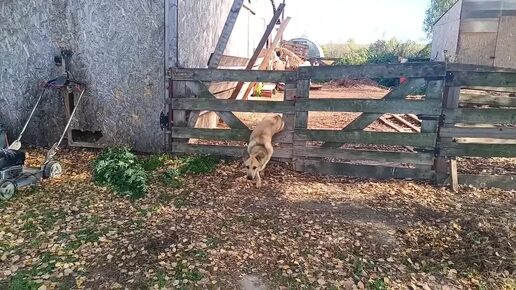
163 121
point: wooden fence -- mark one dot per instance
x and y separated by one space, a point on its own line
315 150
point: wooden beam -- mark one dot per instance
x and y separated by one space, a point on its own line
409 70
429 107
233 151
499 101
201 91
423 140
225 134
355 154
233 105
366 119
268 53
506 182
221 75
406 123
494 132
226 33
491 79
260 46
478 150
364 171
482 116
454 175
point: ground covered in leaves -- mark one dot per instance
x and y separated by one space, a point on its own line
215 231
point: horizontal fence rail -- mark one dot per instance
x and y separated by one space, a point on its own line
450 126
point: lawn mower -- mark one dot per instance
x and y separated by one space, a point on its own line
13 173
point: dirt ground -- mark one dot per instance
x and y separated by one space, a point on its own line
218 232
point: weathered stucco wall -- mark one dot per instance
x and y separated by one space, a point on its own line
118 48
119 53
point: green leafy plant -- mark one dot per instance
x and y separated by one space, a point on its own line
198 164
172 177
154 162
121 170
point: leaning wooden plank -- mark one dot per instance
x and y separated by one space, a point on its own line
268 53
507 182
409 70
226 33
233 151
481 116
427 107
202 92
479 150
366 119
225 134
202 74
497 79
492 89
232 105
406 123
363 137
363 171
260 46
380 156
495 132
454 175
499 101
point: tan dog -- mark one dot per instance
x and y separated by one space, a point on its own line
260 149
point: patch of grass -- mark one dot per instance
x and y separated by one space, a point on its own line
200 255
180 201
198 164
182 273
212 243
161 277
154 162
20 282
172 178
87 235
378 284
358 267
121 170
49 218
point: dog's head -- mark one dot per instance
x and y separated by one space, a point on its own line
252 164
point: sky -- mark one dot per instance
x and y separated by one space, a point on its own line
326 21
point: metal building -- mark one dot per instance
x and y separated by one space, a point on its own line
479 32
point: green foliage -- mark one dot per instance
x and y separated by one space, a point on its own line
258 90
121 170
172 177
198 164
434 11
154 162
378 284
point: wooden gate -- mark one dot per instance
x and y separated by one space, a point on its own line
298 142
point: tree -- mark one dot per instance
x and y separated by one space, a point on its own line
436 9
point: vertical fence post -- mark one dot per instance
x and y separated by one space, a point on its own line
301 119
289 118
447 168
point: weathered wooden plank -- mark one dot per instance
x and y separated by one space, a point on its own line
422 70
483 116
202 92
500 101
201 74
233 105
454 175
366 119
428 107
380 156
495 132
266 55
506 182
225 134
226 33
476 68
260 46
479 150
233 151
491 79
364 171
363 137
301 117
492 89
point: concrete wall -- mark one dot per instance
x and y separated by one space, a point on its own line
446 33
119 53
